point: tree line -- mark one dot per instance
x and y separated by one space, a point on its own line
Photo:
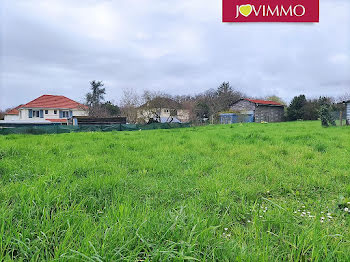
207 104
202 106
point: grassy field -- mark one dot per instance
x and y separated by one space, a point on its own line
251 192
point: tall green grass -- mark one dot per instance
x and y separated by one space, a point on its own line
244 192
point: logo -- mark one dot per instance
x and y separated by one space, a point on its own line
245 10
270 11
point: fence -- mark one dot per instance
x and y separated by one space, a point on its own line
59 129
230 118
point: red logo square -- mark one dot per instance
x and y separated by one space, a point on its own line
270 11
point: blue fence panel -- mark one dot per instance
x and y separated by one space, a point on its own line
231 118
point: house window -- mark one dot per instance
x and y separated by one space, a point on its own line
55 112
36 113
65 114
46 112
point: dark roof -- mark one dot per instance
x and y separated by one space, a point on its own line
263 102
52 101
162 102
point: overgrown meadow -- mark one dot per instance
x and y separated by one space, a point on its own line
243 192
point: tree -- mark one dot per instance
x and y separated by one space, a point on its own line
202 109
226 96
129 103
275 99
311 109
343 98
296 108
326 116
2 114
95 98
110 109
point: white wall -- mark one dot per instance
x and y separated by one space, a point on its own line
77 112
145 114
11 117
24 114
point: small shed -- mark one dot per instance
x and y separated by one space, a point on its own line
347 110
260 110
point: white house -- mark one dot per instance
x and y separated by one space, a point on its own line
47 108
163 110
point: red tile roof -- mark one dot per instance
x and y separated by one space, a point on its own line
51 101
264 102
13 111
57 120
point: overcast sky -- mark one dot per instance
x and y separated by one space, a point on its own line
179 47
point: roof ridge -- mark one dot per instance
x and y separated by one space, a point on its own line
257 101
54 101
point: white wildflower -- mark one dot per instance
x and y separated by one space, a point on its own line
226 228
346 209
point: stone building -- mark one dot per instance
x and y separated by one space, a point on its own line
259 110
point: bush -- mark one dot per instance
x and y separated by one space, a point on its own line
326 116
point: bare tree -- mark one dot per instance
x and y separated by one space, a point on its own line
343 98
275 99
214 101
2 114
129 102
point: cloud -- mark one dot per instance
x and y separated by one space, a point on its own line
180 47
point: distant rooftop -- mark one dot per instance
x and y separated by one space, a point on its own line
263 102
53 101
13 111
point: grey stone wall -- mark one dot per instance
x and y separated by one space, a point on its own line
348 111
269 113
243 105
